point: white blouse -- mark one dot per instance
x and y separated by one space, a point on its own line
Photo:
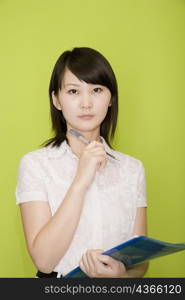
110 203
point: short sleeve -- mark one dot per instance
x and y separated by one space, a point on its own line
30 185
141 200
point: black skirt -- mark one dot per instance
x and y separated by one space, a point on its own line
40 274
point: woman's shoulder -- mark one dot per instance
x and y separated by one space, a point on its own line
127 159
34 155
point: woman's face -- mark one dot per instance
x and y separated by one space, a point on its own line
77 98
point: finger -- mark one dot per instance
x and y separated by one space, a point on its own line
90 261
99 250
95 149
100 155
93 263
102 165
94 256
106 259
85 262
99 152
82 267
94 145
103 162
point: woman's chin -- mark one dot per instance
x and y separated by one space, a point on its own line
85 127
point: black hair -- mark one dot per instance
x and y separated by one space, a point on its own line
90 66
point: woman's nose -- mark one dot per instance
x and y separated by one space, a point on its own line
86 101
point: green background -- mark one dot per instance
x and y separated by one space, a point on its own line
145 44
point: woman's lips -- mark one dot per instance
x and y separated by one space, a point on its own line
86 117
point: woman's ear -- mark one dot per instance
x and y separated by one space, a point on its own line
56 103
110 102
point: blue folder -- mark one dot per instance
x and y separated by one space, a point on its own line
135 251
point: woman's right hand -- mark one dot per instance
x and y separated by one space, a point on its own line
92 159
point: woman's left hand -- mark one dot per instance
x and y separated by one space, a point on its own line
95 264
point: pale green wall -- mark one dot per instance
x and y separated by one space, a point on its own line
145 43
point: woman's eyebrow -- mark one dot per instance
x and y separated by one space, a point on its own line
74 84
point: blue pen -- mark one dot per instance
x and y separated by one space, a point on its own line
85 141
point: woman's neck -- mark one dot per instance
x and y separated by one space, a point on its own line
77 145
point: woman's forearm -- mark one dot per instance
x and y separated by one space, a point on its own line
53 240
137 271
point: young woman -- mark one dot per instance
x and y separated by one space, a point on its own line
75 200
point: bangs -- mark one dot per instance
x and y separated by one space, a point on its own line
91 69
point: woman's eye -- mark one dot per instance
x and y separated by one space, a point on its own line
72 91
98 90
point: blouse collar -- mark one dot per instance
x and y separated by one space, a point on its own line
56 152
